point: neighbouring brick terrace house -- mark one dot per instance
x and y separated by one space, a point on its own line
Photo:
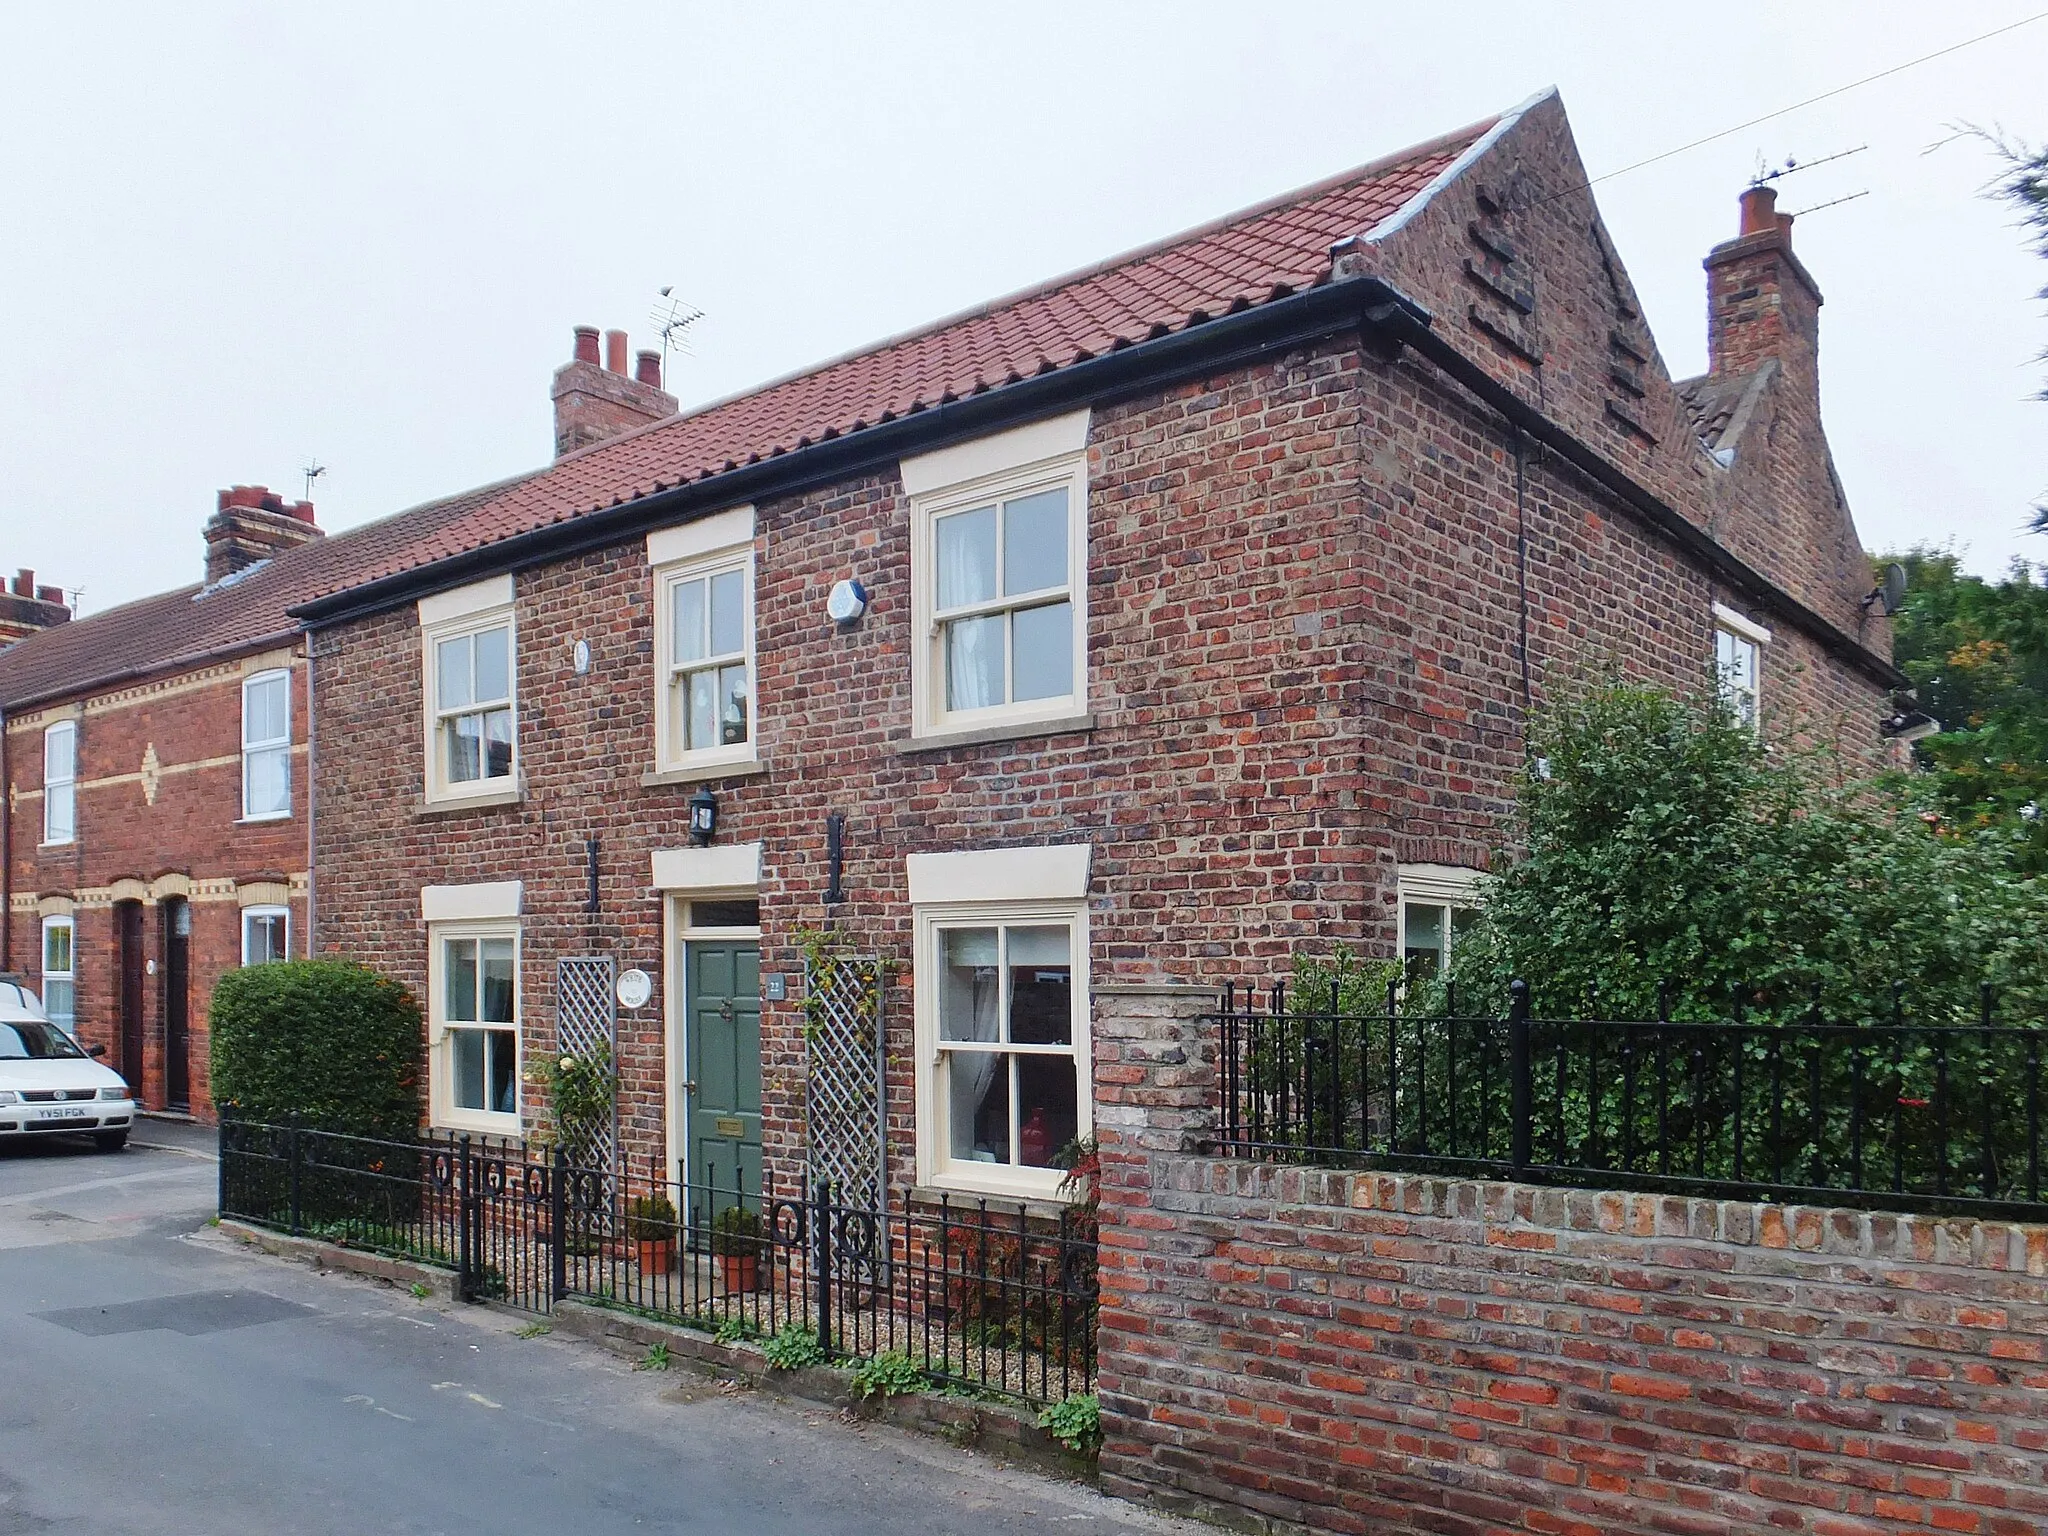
1138 629
155 829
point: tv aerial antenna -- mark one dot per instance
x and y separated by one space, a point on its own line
673 317
1792 166
313 469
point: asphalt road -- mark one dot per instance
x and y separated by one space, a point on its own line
156 1378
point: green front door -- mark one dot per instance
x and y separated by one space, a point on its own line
724 1099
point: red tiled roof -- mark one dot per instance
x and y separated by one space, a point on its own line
1247 259
184 628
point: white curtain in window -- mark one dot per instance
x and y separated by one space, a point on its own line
967 574
971 1010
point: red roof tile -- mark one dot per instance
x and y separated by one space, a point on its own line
184 628
1247 259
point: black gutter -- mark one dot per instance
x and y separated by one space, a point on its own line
1399 317
1205 347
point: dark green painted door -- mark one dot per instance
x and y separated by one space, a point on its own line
724 992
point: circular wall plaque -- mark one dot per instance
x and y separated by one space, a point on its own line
634 988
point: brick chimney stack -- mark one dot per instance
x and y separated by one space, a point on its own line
26 608
595 400
1761 303
254 523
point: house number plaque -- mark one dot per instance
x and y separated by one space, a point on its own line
635 988
730 1125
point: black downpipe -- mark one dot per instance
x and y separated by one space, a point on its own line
1522 573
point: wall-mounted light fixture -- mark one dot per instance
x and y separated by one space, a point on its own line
703 817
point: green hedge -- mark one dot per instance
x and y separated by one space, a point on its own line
330 1044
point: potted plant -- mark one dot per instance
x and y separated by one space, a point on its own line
736 1240
651 1228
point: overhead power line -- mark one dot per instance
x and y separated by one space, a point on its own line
1883 74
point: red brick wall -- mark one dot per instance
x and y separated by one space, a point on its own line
1286 1348
1304 615
1584 353
1373 1353
191 840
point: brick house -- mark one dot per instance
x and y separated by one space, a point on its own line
27 608
1140 627
154 832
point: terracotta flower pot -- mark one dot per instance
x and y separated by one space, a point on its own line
740 1271
655 1255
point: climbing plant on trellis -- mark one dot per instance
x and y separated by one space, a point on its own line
844 1101
587 1025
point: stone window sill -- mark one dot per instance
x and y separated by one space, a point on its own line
705 773
454 807
1030 1207
1019 730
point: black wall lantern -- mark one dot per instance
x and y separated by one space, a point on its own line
703 817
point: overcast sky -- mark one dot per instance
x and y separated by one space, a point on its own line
237 237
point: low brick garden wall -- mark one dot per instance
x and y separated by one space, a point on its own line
1288 1349
1369 1352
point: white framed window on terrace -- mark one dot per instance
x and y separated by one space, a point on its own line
1439 903
266 935
707 650
999 579
472 715
475 1020
60 782
1004 1082
267 746
1738 664
60 998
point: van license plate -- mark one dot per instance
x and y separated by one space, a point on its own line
63 1114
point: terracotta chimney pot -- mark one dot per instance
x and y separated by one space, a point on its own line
1758 205
586 343
615 351
648 368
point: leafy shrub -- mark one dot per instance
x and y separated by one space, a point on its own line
1671 865
793 1349
650 1219
1076 1422
326 1043
1672 860
736 1230
889 1374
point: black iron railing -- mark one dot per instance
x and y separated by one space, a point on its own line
1908 1115
973 1297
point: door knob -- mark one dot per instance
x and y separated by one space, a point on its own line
690 1086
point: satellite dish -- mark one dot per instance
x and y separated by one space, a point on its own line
1893 587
